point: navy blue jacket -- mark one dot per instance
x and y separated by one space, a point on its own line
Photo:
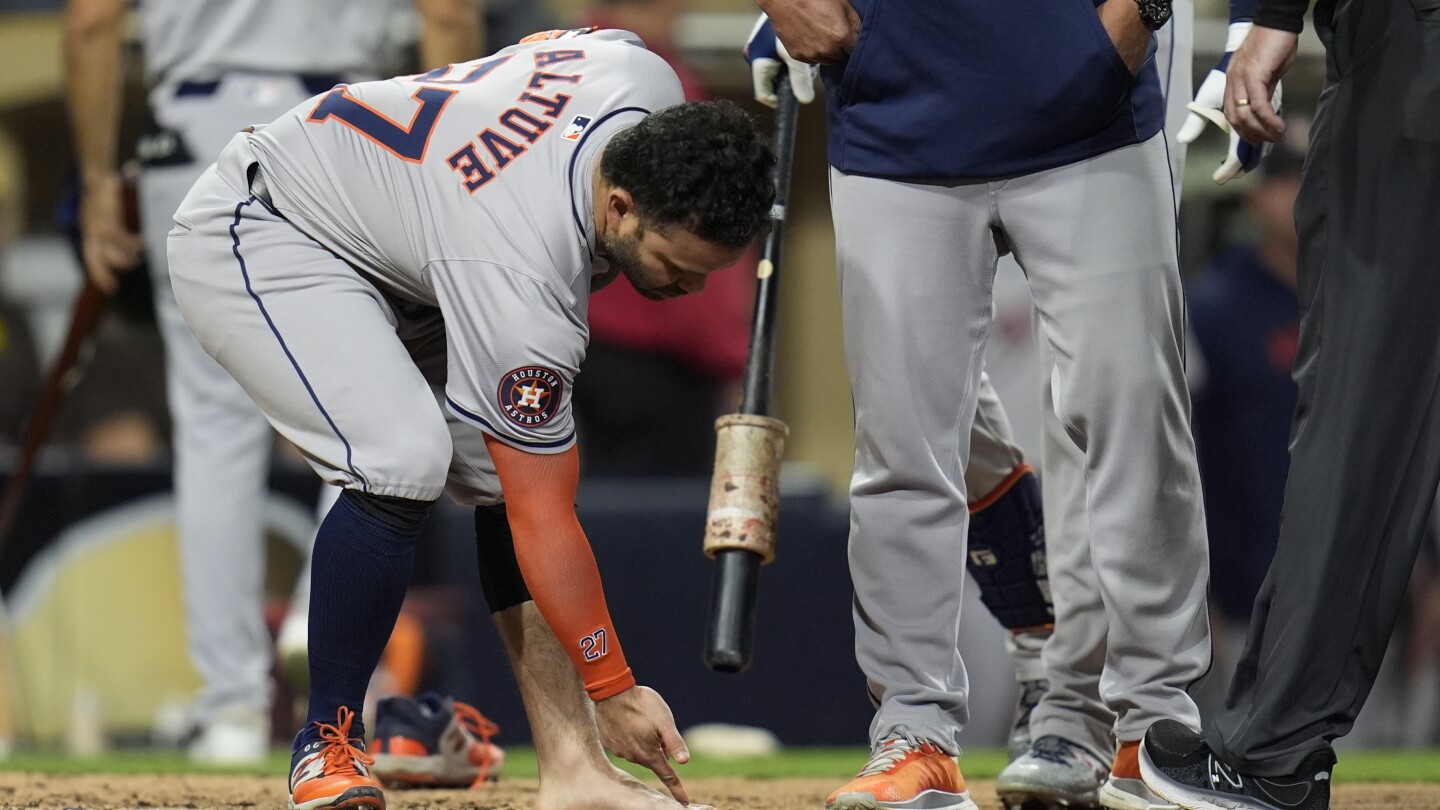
1248 326
983 89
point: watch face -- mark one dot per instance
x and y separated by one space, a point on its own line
1154 13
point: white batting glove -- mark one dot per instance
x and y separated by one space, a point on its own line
767 56
1242 156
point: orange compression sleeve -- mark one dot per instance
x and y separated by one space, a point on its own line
558 565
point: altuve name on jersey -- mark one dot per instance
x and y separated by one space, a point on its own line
481 159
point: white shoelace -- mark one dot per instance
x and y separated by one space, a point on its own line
891 752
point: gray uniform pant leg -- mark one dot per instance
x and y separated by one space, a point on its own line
1097 242
915 292
1365 449
1075 654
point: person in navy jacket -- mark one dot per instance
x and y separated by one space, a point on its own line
959 131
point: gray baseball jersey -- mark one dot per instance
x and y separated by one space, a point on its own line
199 40
469 188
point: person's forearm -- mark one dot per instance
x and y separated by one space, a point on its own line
562 577
450 32
1282 15
93 44
557 563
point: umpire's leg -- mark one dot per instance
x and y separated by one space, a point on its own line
1365 454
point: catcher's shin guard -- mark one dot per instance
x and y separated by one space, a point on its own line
1007 553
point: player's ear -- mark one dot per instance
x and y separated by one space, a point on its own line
620 211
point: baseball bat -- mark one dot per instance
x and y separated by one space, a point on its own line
744 492
89 306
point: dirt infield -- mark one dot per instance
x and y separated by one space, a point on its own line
254 793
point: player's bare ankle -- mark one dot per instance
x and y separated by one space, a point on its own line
571 762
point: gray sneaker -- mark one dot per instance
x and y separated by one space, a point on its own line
1055 774
1030 694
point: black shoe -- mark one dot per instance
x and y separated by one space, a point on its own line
1176 763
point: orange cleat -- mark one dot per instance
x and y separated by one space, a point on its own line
434 742
334 771
1123 789
905 775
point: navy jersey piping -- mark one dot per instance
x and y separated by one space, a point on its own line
574 156
489 428
245 274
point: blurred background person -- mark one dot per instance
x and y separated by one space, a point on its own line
116 413
1245 321
659 373
214 68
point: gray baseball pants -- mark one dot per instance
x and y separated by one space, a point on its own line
1097 242
1074 657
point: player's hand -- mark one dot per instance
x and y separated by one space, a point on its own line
819 32
1254 77
638 727
108 247
1128 34
1242 156
767 57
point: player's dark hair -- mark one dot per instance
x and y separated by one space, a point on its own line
702 166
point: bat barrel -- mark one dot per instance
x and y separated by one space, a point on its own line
730 643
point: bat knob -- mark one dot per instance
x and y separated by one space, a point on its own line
730 643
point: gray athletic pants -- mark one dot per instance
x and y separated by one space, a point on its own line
1365 447
1074 657
1097 242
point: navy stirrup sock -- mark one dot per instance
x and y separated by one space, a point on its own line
363 556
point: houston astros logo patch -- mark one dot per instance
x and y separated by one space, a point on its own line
530 395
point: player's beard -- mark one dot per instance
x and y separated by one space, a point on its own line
623 253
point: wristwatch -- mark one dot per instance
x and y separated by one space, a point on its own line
1154 13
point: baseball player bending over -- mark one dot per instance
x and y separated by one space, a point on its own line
445 229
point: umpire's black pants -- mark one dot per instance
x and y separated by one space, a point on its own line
1365 446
